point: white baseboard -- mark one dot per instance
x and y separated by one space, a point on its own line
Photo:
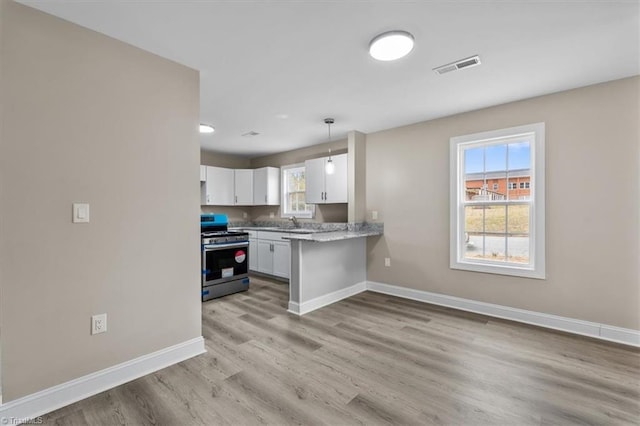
621 335
327 299
586 328
47 400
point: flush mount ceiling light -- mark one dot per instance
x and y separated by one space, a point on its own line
206 128
330 168
391 45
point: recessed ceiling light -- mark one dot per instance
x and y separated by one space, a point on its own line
391 45
206 128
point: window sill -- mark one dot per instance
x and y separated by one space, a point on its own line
510 270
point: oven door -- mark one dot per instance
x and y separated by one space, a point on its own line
224 262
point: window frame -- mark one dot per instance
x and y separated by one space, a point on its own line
536 267
284 213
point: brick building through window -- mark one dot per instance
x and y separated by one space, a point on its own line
498 185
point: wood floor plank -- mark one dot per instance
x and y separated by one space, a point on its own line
373 359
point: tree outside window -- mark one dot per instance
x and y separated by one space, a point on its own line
294 192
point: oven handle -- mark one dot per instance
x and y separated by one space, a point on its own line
214 247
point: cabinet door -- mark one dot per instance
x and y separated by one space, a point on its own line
266 186
265 257
336 183
253 255
260 186
219 186
281 259
203 173
273 186
243 187
314 181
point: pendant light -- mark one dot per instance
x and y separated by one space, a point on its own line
329 168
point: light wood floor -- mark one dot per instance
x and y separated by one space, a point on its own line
373 359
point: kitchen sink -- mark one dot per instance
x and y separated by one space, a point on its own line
302 230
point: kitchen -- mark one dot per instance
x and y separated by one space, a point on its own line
268 244
94 113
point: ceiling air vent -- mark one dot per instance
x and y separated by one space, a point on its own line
458 65
250 134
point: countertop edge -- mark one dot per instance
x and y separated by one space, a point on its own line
325 237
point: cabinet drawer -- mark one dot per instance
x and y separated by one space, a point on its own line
272 236
252 234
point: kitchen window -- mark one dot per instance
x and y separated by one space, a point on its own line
294 193
501 232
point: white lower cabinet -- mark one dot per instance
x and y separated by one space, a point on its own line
281 259
253 254
265 257
271 254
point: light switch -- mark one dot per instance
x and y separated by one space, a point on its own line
80 213
374 215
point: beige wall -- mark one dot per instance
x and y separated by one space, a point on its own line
324 213
218 159
592 144
89 119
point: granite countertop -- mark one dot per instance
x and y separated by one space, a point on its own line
323 237
276 229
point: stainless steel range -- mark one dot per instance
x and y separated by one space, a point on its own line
225 257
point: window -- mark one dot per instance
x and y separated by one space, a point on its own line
293 193
495 186
501 233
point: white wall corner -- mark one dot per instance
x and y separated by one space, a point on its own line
48 400
571 325
294 308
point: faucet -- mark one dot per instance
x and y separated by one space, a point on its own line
295 221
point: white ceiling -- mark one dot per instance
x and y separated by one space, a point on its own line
263 60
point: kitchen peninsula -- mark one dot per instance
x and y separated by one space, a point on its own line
328 266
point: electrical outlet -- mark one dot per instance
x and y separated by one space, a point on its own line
244 215
98 324
374 215
272 215
387 261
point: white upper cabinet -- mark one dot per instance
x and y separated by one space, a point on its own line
323 188
335 189
218 189
314 180
243 187
266 186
